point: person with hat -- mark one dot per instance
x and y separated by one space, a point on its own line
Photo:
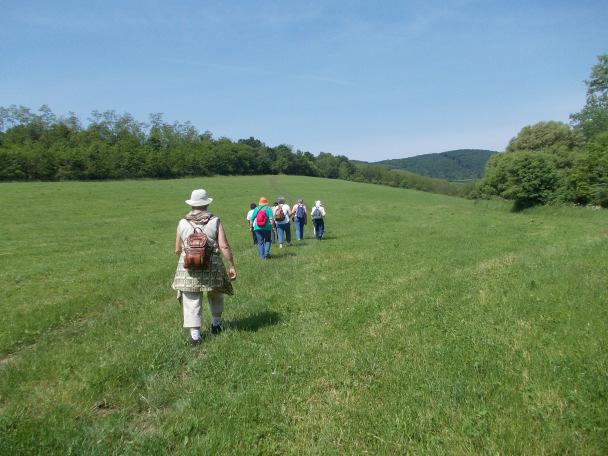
262 227
210 277
281 214
317 214
300 217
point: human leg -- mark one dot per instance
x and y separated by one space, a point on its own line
267 244
191 304
320 229
259 234
287 229
280 233
216 307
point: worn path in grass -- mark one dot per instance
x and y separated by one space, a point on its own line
422 323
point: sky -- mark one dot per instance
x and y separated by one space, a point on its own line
369 80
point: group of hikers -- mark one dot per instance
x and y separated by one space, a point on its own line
200 238
269 223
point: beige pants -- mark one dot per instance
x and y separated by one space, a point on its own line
191 303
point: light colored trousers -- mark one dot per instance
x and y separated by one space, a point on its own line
191 303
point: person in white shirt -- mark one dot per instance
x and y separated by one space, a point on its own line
317 214
281 213
252 207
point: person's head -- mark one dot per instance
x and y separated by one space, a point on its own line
300 201
199 199
263 201
253 206
281 200
318 203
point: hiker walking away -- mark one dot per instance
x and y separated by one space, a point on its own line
299 218
200 239
252 206
281 216
261 219
273 234
317 213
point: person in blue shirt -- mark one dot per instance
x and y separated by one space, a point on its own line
262 221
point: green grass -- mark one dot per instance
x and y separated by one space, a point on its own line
422 324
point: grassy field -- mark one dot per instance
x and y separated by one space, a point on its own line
422 324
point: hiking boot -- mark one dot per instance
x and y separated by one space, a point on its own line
195 342
216 329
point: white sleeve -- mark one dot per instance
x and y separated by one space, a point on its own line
183 228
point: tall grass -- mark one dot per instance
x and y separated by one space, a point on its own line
423 324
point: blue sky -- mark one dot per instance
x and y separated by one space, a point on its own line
369 80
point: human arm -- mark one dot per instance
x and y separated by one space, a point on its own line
226 250
178 244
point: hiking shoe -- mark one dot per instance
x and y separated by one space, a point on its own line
215 330
195 342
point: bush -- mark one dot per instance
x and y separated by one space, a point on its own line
589 177
528 178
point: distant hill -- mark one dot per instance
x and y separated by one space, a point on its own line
453 165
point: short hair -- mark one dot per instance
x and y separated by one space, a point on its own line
253 206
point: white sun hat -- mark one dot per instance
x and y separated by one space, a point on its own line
199 197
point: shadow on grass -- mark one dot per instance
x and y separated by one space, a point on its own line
255 322
329 237
522 205
282 256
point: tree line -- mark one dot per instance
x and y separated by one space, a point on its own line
549 162
39 145
553 162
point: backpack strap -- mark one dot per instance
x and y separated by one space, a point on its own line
201 229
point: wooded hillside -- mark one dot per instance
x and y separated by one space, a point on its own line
453 165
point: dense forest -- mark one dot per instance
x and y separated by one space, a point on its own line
43 146
552 162
453 165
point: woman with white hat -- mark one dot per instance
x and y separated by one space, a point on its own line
208 276
317 214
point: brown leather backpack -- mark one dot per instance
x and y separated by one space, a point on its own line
197 250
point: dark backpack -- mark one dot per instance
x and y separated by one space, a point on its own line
196 250
279 214
261 218
300 214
